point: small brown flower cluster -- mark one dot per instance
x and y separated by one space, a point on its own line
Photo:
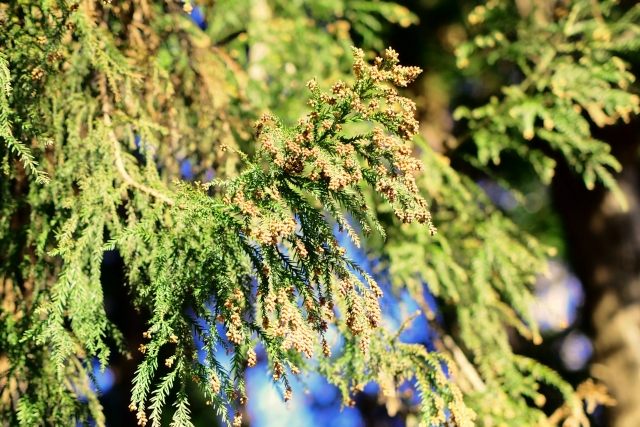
340 90
37 74
278 370
408 164
214 382
312 84
389 185
307 130
382 142
234 328
402 76
338 178
401 152
292 327
358 106
293 147
392 97
270 302
344 149
351 165
364 342
410 183
237 420
246 206
385 186
251 358
269 231
339 181
355 316
259 125
408 127
168 362
288 394
301 249
377 292
345 286
359 66
142 418
327 99
363 313
293 165
309 304
327 306
326 350
374 314
52 57
268 145
386 68
310 153
376 74
420 215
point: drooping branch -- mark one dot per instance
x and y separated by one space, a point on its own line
447 343
123 171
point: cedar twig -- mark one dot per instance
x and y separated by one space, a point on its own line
106 109
465 367
123 171
593 394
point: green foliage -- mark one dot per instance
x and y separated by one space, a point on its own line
100 107
568 65
480 264
183 248
270 225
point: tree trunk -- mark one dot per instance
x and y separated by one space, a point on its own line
604 248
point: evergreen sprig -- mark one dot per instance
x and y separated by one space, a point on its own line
103 105
270 224
570 65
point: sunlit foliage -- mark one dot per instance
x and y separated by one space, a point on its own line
132 127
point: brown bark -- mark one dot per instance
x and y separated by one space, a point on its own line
604 247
